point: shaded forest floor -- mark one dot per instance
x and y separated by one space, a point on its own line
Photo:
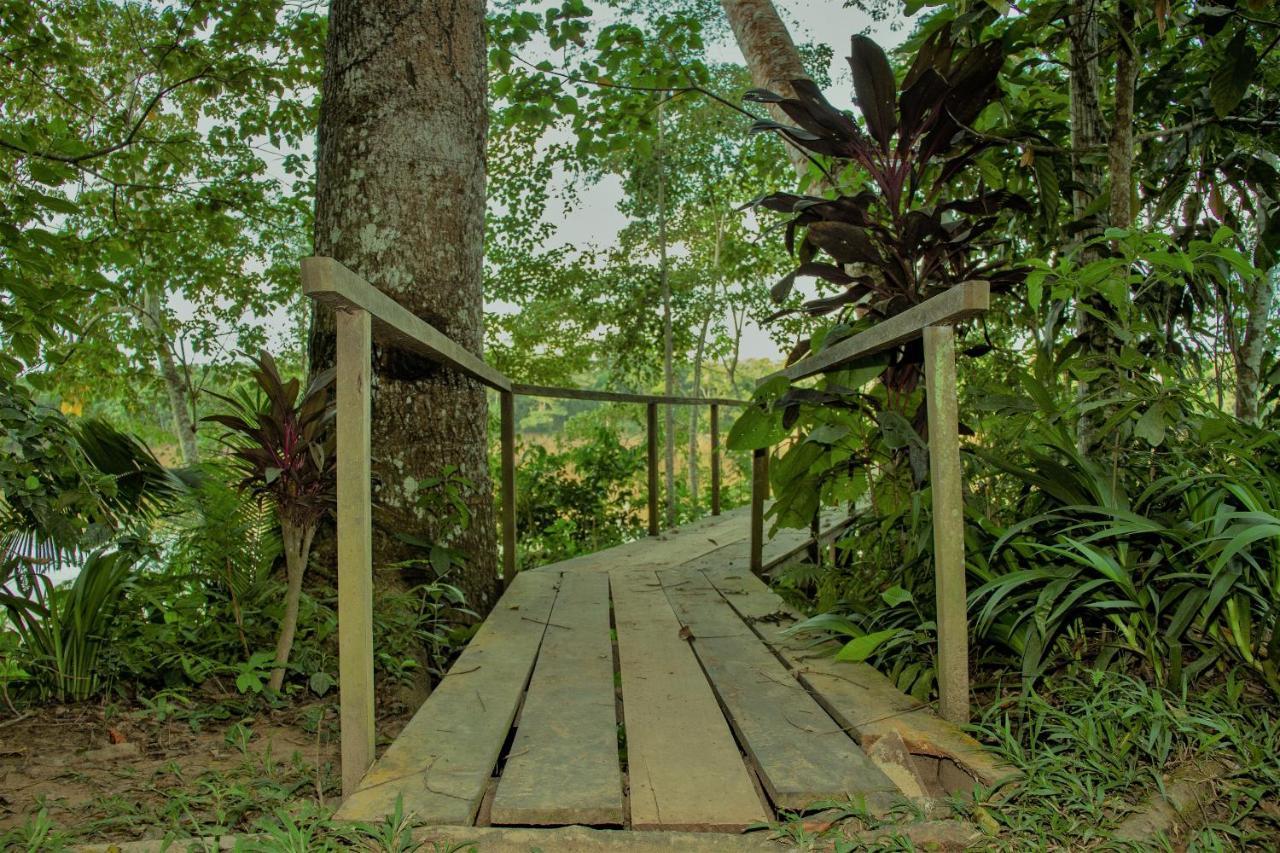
174 766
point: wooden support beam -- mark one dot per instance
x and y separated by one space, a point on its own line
759 488
651 430
715 458
325 280
962 301
508 407
617 396
355 546
948 523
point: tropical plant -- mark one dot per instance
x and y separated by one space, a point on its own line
65 630
283 446
902 237
69 485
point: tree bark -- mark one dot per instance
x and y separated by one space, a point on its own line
1088 134
668 338
698 354
175 385
771 57
1259 297
297 548
1120 153
400 199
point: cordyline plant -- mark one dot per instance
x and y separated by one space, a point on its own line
901 238
285 449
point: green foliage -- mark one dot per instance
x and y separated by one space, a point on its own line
64 631
584 497
283 444
68 486
135 145
905 235
1091 748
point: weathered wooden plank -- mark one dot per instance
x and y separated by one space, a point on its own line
948 523
960 302
443 759
325 280
563 767
705 536
618 396
801 754
684 767
861 699
355 546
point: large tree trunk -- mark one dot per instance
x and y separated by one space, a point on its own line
771 57
400 199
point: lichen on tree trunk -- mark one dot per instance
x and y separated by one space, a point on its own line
400 199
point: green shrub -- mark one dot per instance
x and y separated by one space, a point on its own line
64 630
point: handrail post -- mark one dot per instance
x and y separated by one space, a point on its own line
759 489
948 523
714 459
355 546
507 404
652 432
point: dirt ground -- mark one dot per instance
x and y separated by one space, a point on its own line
199 766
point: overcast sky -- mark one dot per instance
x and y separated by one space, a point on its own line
596 219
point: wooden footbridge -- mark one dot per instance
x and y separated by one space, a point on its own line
652 686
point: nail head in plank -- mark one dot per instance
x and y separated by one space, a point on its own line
803 756
443 759
684 767
563 767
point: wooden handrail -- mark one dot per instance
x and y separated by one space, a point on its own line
325 280
619 396
961 302
934 320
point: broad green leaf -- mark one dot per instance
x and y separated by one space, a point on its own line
861 648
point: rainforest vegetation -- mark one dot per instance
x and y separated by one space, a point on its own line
1110 167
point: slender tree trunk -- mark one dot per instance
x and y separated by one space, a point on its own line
771 57
1088 134
297 548
175 385
668 338
1120 154
698 355
400 199
1259 298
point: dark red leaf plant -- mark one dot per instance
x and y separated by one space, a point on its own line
283 445
894 232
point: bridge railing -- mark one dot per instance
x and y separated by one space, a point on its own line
934 320
363 313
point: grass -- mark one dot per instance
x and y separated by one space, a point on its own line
1092 747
